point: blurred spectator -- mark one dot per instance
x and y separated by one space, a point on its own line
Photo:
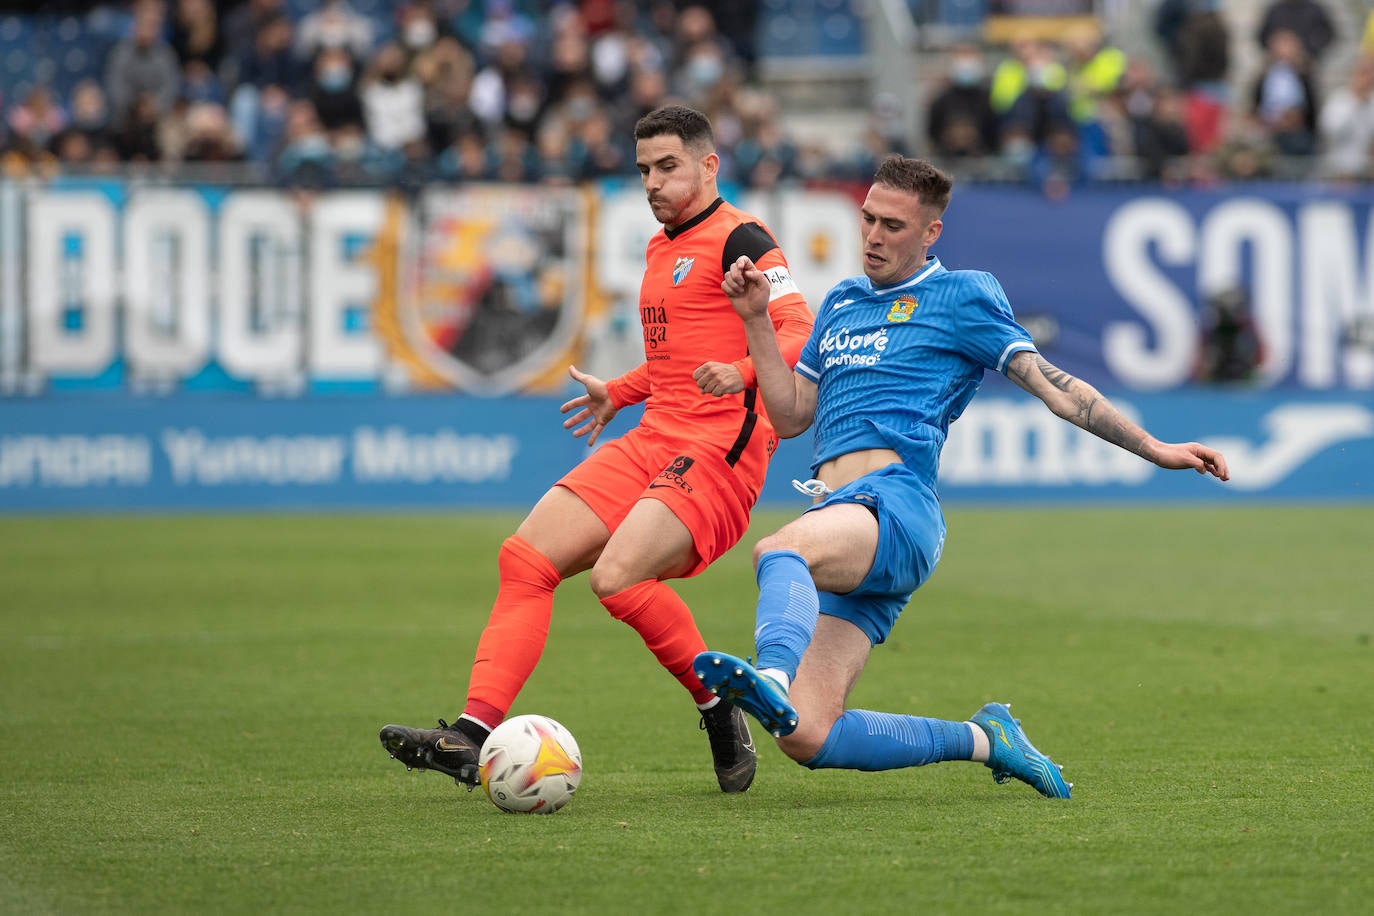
1246 154
1346 124
961 122
393 101
446 71
515 159
199 83
466 159
73 149
1198 40
306 158
766 156
259 117
1029 94
702 60
241 27
553 144
1061 161
209 137
334 90
1095 69
1230 349
270 61
418 27
142 67
503 24
1284 96
569 59
1306 19
648 90
508 89
611 32
136 137
196 34
35 121
351 163
174 131
1161 136
334 25
89 113
1030 63
595 151
269 77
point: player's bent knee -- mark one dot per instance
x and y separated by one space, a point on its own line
610 578
771 543
518 562
802 745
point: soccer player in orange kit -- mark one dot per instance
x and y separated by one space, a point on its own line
667 498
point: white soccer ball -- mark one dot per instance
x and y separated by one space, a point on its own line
530 765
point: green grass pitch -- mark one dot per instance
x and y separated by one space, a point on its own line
189 710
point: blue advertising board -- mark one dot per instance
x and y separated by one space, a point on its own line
1113 281
79 453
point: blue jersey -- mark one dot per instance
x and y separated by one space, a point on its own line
894 365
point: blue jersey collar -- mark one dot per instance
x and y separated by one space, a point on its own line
931 267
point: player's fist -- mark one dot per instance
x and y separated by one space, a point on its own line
719 379
746 287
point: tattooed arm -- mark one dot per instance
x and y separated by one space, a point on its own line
1084 406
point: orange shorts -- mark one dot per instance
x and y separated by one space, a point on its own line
697 483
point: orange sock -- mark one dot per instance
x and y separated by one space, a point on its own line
665 623
516 631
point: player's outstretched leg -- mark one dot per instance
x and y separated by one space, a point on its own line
446 749
1011 755
736 681
732 747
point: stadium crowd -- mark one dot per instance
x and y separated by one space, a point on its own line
547 91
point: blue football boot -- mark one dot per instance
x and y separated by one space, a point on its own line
1013 756
736 681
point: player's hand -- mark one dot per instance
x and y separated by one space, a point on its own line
747 288
593 409
1179 456
718 379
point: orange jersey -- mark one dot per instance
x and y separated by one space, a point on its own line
688 321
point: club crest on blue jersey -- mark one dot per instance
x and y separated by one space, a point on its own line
682 268
902 308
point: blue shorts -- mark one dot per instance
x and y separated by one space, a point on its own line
911 534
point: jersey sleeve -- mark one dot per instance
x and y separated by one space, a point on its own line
988 333
630 388
786 305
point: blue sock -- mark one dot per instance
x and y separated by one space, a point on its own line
863 740
787 610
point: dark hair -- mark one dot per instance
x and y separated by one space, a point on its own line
687 124
916 176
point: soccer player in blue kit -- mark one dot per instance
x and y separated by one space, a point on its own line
895 356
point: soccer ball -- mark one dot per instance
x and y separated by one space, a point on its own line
530 765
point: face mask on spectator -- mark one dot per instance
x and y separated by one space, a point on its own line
705 71
966 72
1018 150
581 108
336 77
419 33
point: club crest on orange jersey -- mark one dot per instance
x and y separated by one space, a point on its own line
902 308
682 268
